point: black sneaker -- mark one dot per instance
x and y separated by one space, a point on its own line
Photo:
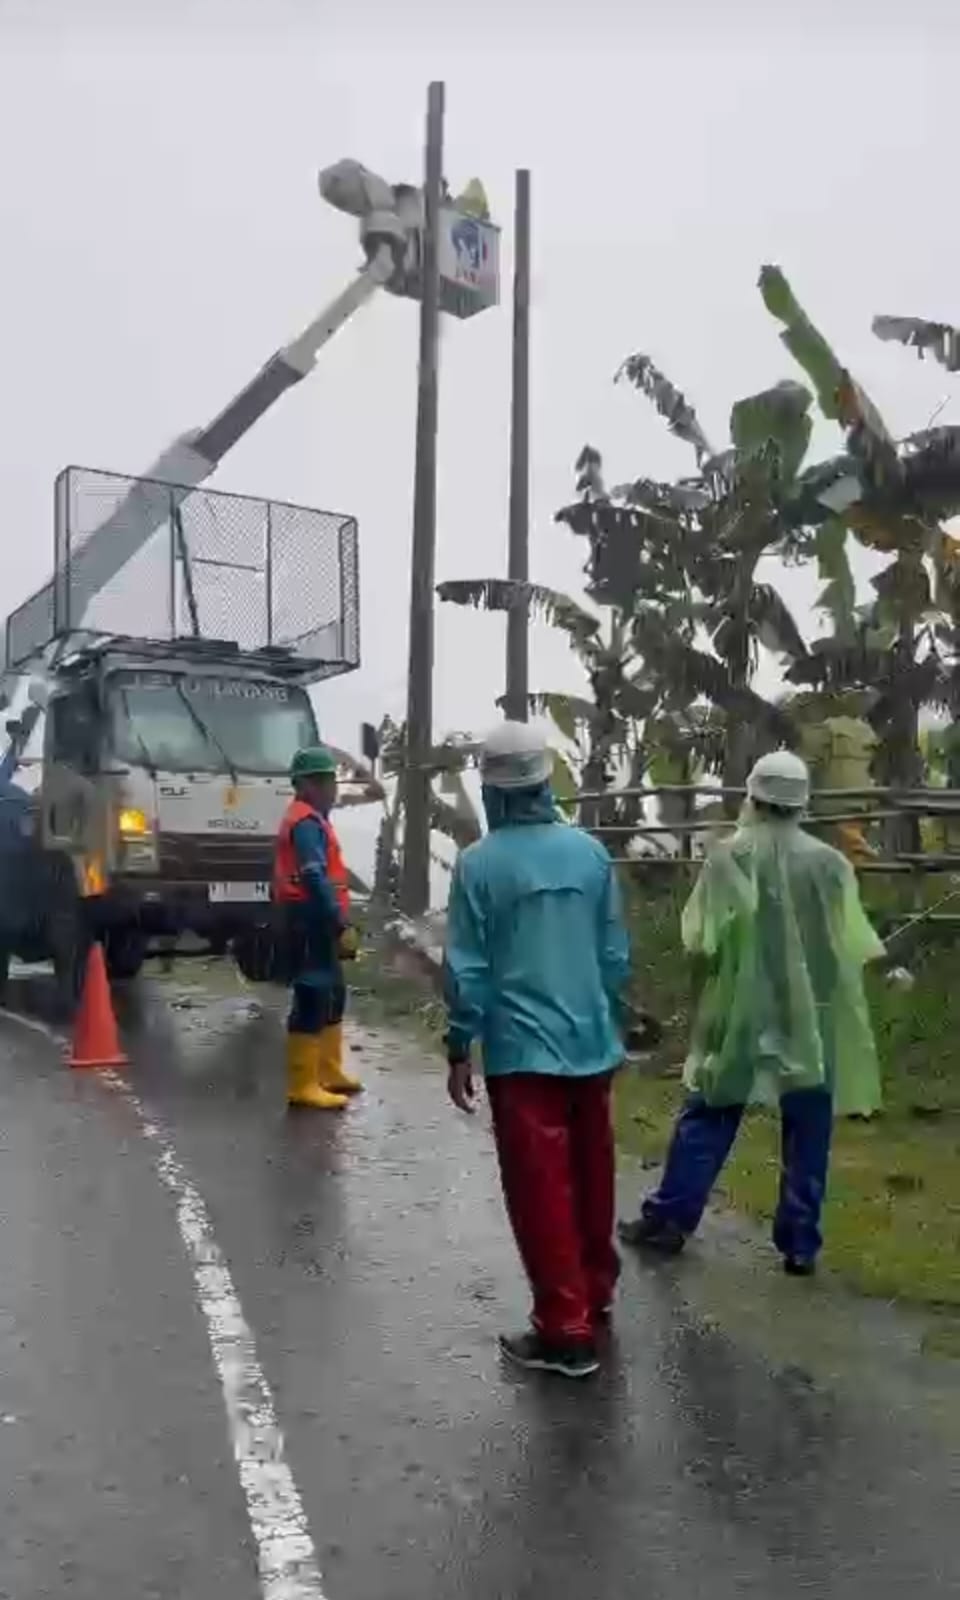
799 1266
649 1233
578 1359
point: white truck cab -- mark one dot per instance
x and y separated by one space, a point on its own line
147 772
164 778
162 782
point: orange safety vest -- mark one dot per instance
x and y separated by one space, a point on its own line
288 887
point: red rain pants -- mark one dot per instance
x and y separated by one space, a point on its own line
555 1144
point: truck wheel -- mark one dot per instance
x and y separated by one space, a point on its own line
124 952
254 954
4 974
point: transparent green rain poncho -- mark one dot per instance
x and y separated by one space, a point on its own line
777 916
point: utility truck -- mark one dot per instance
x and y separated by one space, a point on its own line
147 768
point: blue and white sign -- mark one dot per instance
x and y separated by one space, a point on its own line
469 260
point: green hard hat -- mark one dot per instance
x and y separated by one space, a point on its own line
313 762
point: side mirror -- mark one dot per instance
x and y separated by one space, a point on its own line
14 727
369 743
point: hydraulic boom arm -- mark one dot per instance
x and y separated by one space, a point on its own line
388 217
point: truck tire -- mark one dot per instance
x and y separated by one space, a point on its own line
254 951
124 950
4 974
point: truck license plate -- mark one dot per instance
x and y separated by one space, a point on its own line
237 893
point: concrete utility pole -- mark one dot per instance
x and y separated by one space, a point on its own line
415 875
518 684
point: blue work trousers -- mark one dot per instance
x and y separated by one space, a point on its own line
702 1140
316 1007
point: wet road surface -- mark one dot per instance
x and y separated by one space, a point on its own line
750 1436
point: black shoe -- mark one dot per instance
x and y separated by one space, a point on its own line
578 1359
648 1233
799 1266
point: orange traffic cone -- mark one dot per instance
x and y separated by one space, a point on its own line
96 1042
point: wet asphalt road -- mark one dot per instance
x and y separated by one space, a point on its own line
749 1437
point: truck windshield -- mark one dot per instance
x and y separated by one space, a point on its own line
207 724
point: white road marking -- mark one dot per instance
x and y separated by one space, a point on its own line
34 1026
286 1556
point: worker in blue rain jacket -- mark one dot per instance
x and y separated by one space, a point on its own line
311 883
777 925
536 965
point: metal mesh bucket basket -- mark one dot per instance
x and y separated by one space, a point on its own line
142 558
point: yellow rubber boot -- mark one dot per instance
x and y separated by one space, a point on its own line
330 1073
302 1086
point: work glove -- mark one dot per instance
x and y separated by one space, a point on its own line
348 945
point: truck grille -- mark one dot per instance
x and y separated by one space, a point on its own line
214 858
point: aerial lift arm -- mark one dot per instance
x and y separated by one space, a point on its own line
388 216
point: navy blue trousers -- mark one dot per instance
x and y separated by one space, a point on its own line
702 1140
315 1007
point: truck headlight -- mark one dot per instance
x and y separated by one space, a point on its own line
133 824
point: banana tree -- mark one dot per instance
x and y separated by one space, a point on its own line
682 559
672 569
682 748
838 744
900 648
602 731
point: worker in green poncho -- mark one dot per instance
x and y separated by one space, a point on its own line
776 924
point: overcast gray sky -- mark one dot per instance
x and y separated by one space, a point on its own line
161 235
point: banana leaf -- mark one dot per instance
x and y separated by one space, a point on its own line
589 471
772 623
777 417
673 406
841 399
506 594
938 339
838 596
571 714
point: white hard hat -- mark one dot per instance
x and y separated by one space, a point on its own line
781 779
515 756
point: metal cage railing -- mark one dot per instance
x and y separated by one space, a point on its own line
147 559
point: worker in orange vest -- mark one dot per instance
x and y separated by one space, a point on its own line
310 879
